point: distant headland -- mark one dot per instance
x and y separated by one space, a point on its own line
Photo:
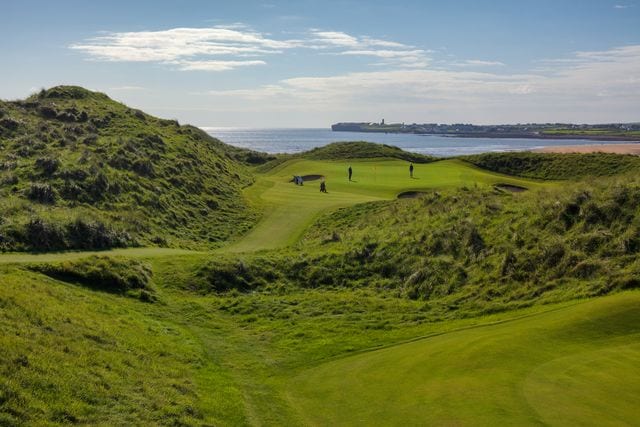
599 132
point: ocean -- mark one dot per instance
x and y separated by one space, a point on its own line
297 140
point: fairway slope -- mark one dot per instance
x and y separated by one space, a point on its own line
573 366
289 209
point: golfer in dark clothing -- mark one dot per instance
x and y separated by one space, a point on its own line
411 170
323 187
350 173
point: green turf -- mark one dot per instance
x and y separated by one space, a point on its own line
573 366
70 355
289 209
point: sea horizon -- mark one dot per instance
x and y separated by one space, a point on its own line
295 140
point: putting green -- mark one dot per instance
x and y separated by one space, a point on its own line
289 209
579 365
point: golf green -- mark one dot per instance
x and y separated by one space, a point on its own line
578 365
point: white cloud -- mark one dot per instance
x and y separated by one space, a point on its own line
218 48
385 53
402 58
382 43
479 63
215 65
335 38
592 86
393 53
622 6
191 48
126 88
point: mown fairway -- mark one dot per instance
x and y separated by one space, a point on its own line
574 366
289 209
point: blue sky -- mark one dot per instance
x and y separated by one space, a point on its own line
309 63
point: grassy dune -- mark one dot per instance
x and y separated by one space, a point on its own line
81 171
562 367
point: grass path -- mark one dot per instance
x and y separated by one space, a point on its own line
290 209
559 368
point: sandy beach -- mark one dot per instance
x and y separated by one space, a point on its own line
632 148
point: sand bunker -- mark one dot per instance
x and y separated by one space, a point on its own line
411 194
306 178
510 187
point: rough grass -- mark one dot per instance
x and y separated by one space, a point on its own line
569 166
73 155
72 355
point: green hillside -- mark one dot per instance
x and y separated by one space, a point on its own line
366 150
79 170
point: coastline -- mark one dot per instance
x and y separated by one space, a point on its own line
603 138
498 135
633 149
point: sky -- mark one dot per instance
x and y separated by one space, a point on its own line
313 63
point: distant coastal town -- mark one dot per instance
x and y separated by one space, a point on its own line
600 132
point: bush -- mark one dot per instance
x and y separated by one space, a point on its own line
71 191
9 124
224 276
44 236
48 165
9 179
47 112
65 92
42 193
143 167
98 186
139 114
83 234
